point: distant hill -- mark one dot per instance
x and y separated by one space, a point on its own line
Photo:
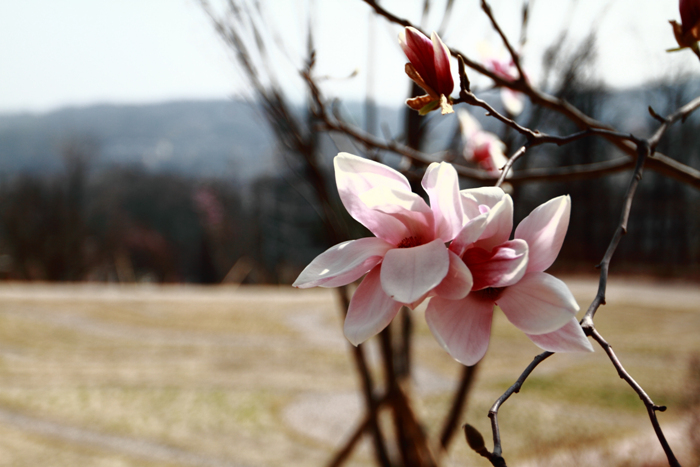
226 138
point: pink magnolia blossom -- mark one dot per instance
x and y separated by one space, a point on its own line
407 260
510 274
688 32
481 147
513 101
430 68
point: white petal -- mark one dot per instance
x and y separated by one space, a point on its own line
343 263
499 224
538 304
513 101
461 327
468 125
469 234
568 338
409 273
355 176
472 198
370 310
458 281
442 185
544 231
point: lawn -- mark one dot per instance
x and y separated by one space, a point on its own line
107 375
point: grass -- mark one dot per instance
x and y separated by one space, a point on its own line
180 376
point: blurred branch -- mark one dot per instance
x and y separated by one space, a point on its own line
663 165
513 54
458 402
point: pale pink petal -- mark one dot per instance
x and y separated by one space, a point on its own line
442 185
461 327
499 224
445 83
568 338
501 267
544 231
513 101
469 234
343 263
355 176
468 125
487 196
414 216
409 273
538 303
370 310
458 281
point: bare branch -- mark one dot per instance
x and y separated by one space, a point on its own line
651 407
513 54
496 458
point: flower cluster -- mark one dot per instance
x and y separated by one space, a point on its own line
481 147
513 101
455 250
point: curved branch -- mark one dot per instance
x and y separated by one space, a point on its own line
648 403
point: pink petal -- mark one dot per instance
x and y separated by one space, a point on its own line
445 83
414 216
442 185
409 273
568 338
355 176
501 267
499 224
544 231
458 281
461 327
487 196
538 303
419 50
690 14
468 125
370 310
343 263
468 235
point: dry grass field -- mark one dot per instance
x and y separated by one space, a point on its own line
116 376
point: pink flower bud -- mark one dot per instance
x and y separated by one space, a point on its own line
688 33
429 68
690 16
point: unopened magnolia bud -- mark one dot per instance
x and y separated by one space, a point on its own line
475 440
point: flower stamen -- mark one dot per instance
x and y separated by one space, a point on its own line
410 242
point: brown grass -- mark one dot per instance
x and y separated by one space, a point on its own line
260 376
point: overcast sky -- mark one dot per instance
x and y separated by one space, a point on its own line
81 52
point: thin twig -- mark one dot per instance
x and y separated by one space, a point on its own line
496 457
587 321
648 403
515 56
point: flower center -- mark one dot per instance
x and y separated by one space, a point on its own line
490 293
410 242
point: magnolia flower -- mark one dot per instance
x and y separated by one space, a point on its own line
407 260
510 274
513 101
688 33
481 147
429 67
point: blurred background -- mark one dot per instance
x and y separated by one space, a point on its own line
133 146
174 142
